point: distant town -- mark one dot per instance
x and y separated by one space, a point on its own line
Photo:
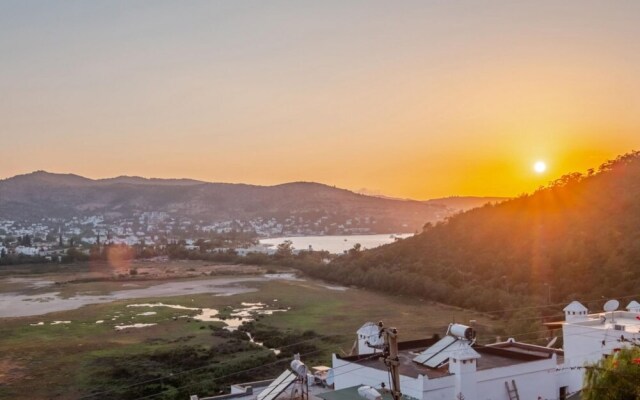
51 238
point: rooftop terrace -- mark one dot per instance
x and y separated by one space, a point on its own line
496 355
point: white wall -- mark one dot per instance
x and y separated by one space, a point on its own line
583 342
533 379
351 374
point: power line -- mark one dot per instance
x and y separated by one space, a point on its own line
248 370
594 335
375 355
549 305
193 369
326 337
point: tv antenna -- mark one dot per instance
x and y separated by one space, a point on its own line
389 347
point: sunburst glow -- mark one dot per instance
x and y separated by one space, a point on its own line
540 167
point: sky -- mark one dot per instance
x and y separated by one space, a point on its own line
415 99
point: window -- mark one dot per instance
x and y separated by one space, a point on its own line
564 391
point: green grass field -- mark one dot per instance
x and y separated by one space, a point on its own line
66 361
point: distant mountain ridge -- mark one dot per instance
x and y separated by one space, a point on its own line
137 180
464 203
42 194
457 203
77 180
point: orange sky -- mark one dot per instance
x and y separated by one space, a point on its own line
419 99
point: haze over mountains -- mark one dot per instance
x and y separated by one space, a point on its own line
580 237
46 195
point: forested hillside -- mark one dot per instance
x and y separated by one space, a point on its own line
580 235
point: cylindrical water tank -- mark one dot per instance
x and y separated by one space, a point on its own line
299 368
369 393
461 331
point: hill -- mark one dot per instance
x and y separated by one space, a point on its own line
580 235
465 203
311 207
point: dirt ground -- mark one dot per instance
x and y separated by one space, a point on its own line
11 371
106 271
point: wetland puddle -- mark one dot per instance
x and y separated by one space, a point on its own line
252 340
16 304
237 317
51 323
133 326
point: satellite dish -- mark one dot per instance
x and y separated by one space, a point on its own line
611 305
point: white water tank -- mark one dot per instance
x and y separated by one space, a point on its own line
461 331
369 393
299 368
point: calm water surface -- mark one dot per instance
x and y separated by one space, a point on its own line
336 244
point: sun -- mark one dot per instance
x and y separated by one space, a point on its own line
540 167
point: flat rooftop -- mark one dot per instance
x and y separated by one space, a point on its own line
260 386
351 393
492 356
627 319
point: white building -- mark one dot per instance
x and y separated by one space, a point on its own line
367 333
454 367
258 249
589 337
27 251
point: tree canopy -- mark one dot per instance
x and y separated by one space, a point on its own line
614 378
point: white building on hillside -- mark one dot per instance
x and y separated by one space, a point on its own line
27 250
455 367
257 249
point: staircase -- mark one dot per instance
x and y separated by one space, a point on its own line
512 390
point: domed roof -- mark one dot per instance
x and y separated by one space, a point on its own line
633 305
368 327
575 306
463 351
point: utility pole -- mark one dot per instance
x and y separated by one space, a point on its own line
390 357
548 292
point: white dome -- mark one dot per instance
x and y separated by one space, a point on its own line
633 306
575 306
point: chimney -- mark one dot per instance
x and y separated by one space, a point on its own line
633 306
575 312
462 364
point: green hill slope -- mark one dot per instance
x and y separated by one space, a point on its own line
580 235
